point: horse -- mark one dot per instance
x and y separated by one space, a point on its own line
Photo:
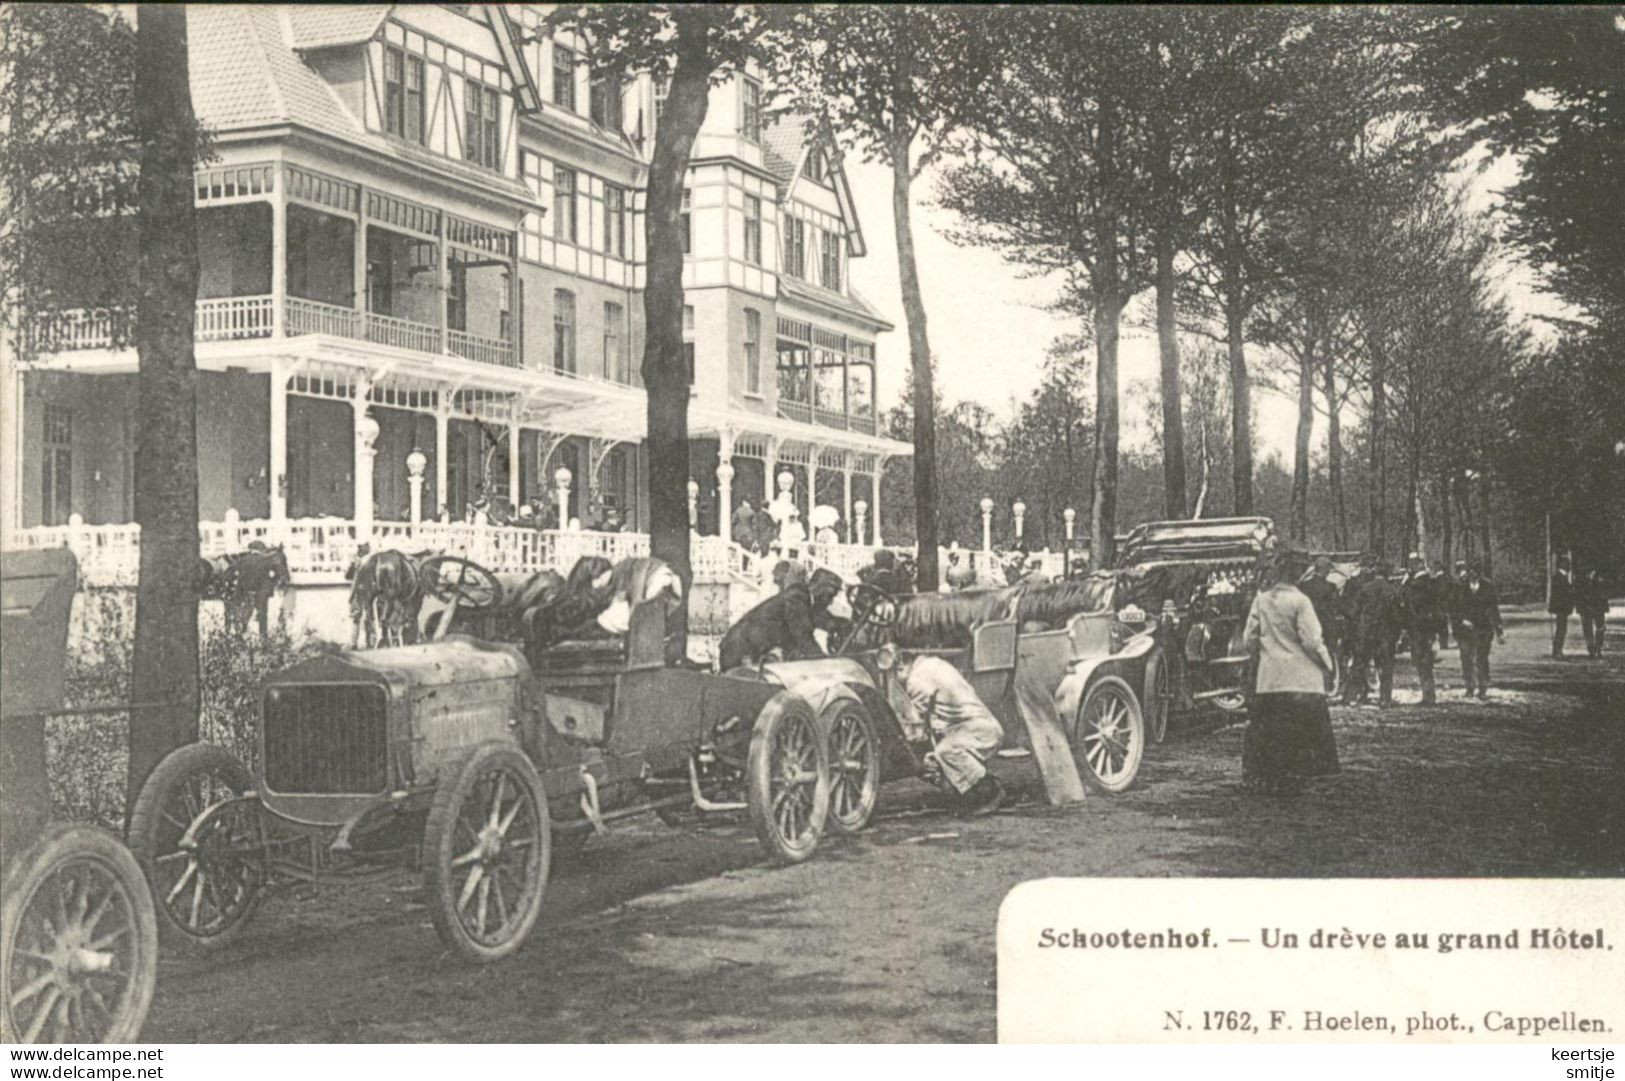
386 596
243 582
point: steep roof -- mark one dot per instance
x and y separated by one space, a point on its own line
319 26
850 304
245 74
784 145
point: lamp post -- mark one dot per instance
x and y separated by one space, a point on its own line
416 463
693 504
562 479
1070 517
859 509
1020 511
987 524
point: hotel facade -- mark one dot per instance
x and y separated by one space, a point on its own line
421 243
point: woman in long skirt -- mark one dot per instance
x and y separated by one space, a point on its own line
1289 730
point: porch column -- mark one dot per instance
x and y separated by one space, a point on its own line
11 474
725 484
442 418
846 498
366 435
812 485
513 466
279 252
359 271
874 509
277 474
769 457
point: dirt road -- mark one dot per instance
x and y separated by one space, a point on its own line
655 934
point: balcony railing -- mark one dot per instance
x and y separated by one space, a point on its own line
827 418
402 333
485 350
314 317
220 319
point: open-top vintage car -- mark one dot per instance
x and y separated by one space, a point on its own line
462 757
1194 582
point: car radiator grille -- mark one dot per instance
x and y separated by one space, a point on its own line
326 739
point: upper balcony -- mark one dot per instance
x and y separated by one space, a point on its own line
825 377
329 257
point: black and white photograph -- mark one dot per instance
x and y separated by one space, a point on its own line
644 523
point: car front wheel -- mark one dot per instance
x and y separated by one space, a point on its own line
1108 739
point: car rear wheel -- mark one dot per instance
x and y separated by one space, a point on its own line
204 893
486 849
1108 740
787 780
79 955
854 765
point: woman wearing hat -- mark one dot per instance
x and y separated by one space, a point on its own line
1289 731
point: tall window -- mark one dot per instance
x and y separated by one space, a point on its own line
753 229
564 204
480 141
456 290
604 100
750 110
564 78
662 92
688 341
815 169
505 311
832 261
414 128
614 353
615 221
686 221
394 91
564 330
58 465
753 352
795 247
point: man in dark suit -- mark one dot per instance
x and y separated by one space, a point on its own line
1560 603
1378 619
1423 610
1475 612
785 622
1591 601
1328 604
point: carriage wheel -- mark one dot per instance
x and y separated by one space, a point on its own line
854 765
787 779
1156 701
79 954
485 852
204 895
1109 738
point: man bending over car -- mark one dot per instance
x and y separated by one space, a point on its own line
964 729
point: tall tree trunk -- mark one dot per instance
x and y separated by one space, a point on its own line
665 373
1415 527
164 661
1446 533
1334 453
1376 522
919 353
1103 506
1201 493
1486 552
1464 507
1173 420
1233 285
1298 513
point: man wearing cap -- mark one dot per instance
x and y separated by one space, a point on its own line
965 731
1423 613
1476 612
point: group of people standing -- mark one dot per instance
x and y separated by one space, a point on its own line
1585 596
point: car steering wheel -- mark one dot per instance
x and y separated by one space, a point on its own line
452 579
872 607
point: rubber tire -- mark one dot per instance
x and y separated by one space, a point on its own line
1136 720
60 844
1156 706
782 710
826 725
439 839
147 818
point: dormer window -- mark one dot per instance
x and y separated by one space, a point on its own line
564 78
831 263
481 141
403 95
604 101
750 110
816 168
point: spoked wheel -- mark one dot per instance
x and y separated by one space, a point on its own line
486 850
787 779
854 765
80 949
1155 702
204 894
1109 738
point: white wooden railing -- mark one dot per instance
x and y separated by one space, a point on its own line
315 317
485 350
216 320
225 319
402 333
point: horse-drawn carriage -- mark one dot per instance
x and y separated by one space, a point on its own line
78 941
